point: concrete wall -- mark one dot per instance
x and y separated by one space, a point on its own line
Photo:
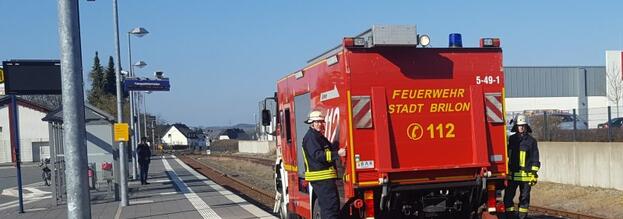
593 164
256 147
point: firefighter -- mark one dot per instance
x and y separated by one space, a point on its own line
320 156
523 155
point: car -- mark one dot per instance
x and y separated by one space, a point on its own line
615 122
566 122
563 121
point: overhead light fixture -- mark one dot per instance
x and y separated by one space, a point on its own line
424 40
139 32
140 64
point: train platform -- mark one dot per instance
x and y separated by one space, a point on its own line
175 191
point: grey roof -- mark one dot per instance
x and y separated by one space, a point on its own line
91 113
5 100
187 132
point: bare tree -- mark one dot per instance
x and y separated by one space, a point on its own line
615 85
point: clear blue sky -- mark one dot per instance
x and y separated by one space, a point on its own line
225 56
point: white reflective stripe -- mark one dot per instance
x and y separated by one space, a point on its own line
362 102
365 120
228 194
362 121
494 100
203 208
491 209
494 116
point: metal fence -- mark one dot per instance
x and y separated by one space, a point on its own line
590 125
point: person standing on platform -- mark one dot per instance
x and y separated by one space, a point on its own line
144 158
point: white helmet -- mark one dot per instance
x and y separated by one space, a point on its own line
315 115
521 120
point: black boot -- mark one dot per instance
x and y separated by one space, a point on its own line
523 215
510 215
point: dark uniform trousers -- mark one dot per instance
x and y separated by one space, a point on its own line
328 198
144 170
524 198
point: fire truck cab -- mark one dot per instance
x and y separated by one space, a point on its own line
423 127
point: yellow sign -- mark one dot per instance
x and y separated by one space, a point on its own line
426 101
1 76
122 132
415 131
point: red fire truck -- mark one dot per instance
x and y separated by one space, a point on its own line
423 127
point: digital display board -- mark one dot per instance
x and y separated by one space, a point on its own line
32 77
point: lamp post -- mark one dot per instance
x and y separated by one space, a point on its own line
145 111
123 177
138 32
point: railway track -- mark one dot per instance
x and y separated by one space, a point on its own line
261 161
265 199
562 214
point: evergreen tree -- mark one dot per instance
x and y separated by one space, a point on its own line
97 82
110 86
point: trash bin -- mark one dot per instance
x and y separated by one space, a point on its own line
107 175
92 176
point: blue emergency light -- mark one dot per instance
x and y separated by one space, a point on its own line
455 40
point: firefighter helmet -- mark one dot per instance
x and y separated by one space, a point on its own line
521 120
314 116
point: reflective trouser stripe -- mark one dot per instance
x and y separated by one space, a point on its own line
523 210
509 209
535 168
327 154
522 158
523 178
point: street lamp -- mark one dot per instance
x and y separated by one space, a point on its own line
140 64
138 32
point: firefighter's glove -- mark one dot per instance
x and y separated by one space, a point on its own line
532 182
533 179
341 152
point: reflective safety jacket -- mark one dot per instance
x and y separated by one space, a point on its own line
320 156
523 155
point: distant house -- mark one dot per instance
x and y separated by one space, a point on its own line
33 133
181 135
234 133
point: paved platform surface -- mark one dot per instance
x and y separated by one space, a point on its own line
175 191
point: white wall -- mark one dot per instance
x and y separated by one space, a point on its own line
31 129
255 147
177 138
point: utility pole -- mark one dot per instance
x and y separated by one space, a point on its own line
123 158
135 139
74 137
14 126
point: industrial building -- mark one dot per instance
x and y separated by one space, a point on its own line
587 89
